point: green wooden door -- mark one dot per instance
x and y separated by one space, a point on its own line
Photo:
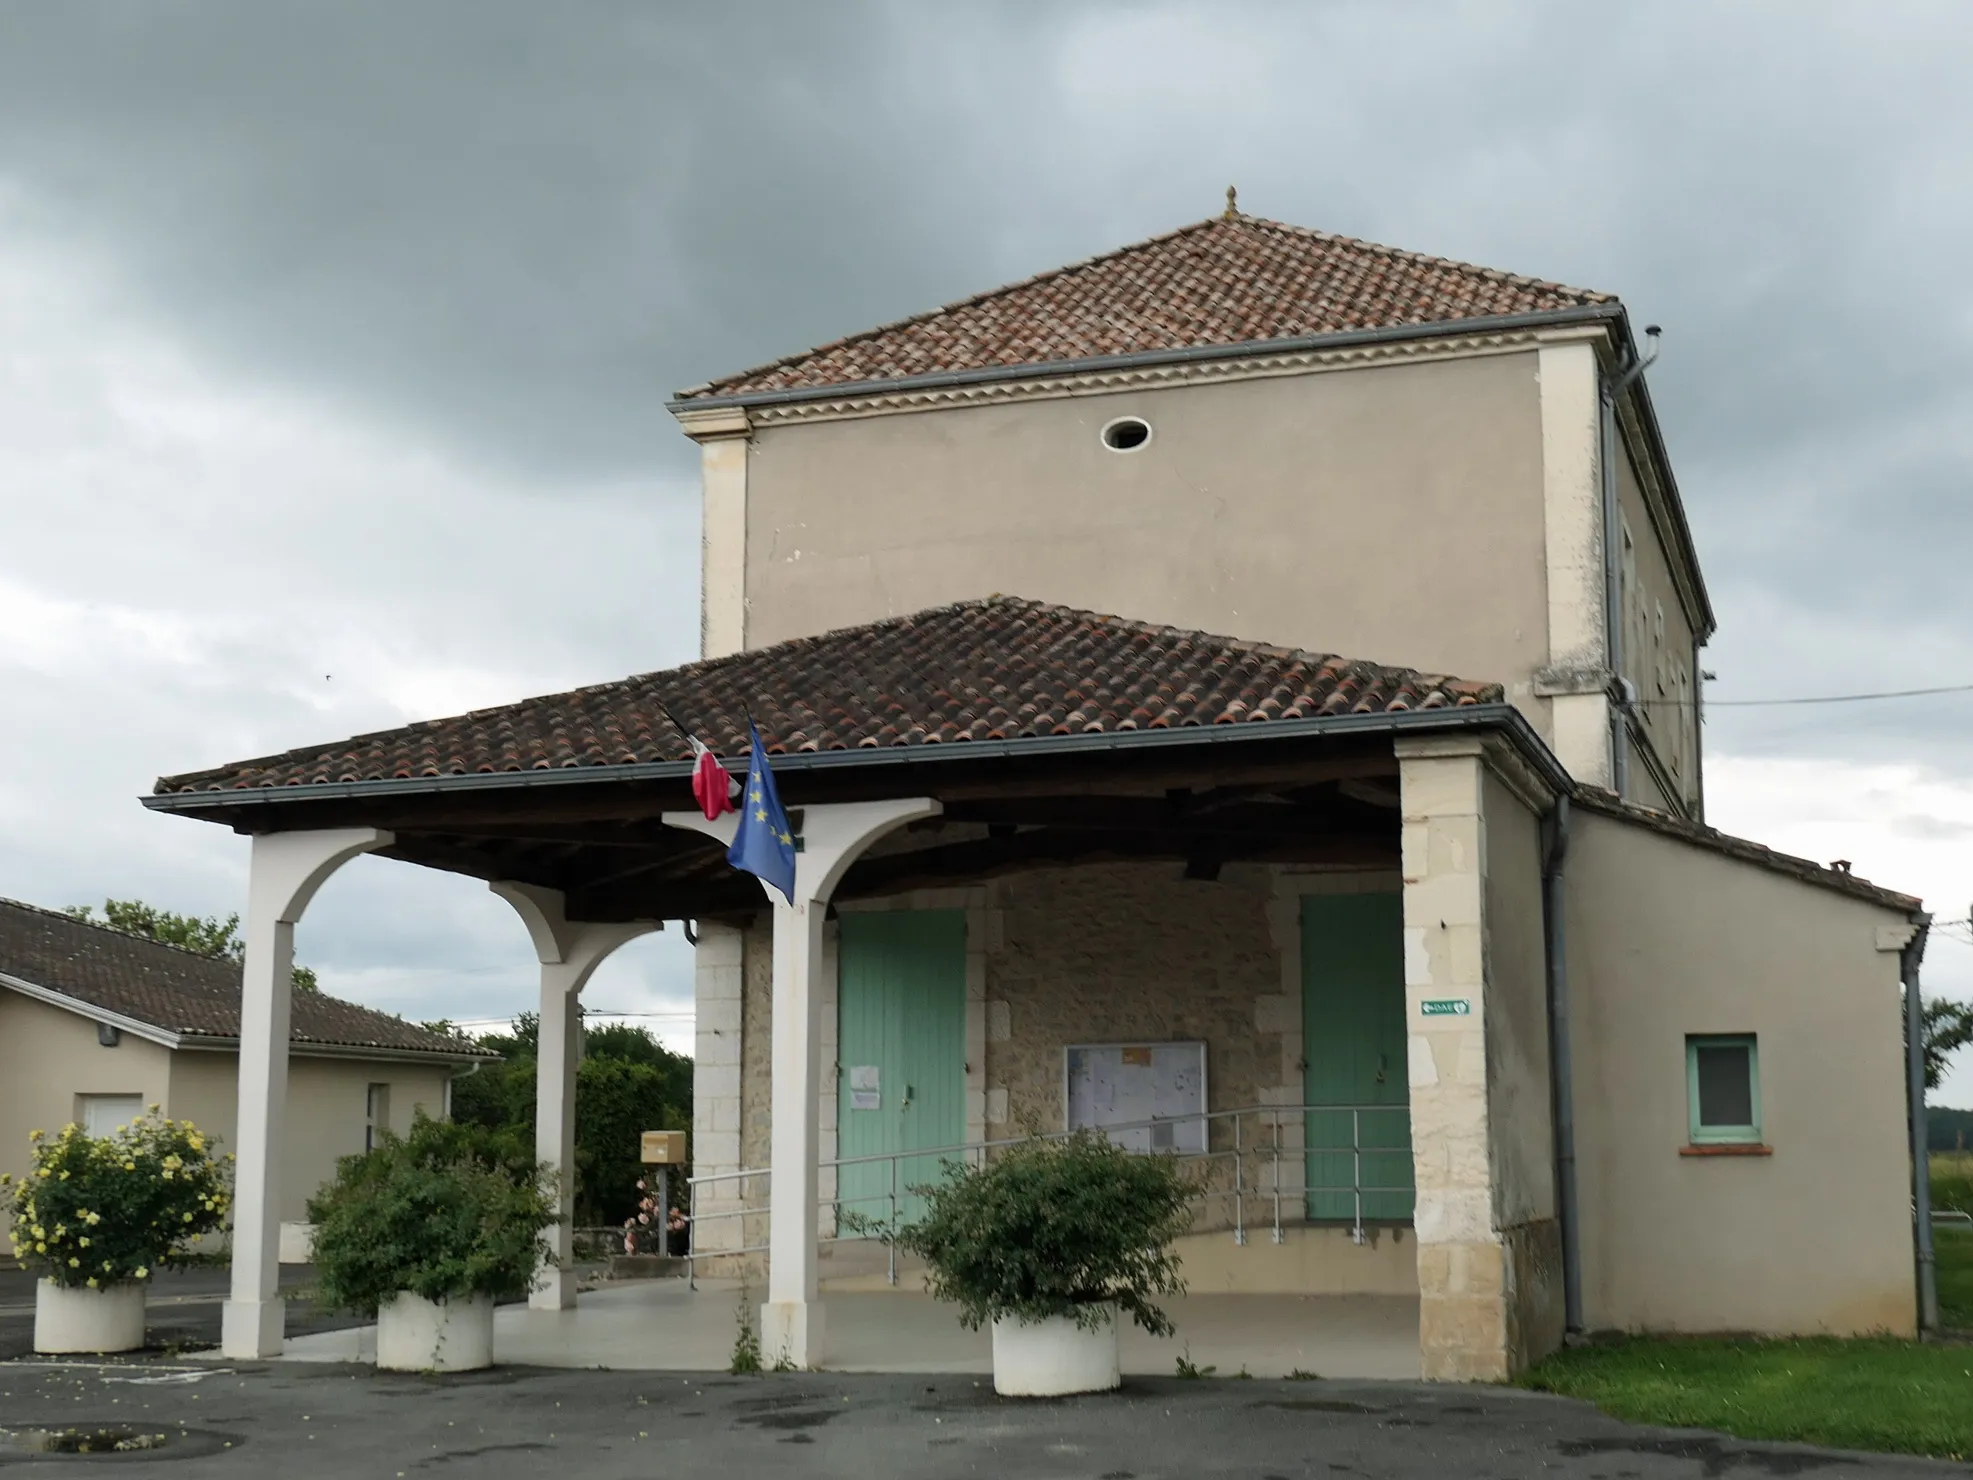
1353 1041
901 1051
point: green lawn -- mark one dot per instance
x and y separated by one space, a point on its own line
1868 1394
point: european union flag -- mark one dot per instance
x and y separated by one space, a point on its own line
764 844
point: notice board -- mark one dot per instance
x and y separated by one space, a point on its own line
1116 1084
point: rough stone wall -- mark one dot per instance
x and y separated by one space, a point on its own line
756 992
757 1042
716 1078
1127 952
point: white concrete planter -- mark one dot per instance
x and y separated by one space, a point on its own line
107 1320
419 1335
1055 1357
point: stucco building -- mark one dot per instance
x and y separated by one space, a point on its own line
1425 954
95 1025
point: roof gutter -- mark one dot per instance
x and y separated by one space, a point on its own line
1593 313
304 1049
1495 716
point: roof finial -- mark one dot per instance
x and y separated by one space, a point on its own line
1232 202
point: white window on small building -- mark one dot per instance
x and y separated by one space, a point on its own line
1723 1090
103 1115
376 1114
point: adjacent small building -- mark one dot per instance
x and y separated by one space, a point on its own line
96 1025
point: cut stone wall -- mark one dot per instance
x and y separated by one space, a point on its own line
1489 1254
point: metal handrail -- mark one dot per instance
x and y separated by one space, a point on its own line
1271 1116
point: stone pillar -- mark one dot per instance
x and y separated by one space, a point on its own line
286 870
717 983
1462 1304
569 952
833 837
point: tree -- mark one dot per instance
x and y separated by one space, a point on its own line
629 1083
1948 1029
210 936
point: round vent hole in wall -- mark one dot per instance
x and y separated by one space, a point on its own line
1126 434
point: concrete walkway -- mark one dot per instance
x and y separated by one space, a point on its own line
660 1325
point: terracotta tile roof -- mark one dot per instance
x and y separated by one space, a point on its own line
180 992
1227 280
1000 668
1759 854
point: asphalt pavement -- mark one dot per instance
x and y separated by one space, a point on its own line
181 1311
315 1422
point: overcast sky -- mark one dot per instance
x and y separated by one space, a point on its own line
334 342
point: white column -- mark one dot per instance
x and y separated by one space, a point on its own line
286 870
791 1321
569 952
833 836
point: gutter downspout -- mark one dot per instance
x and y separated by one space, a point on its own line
1921 1172
1561 1063
1613 613
1698 733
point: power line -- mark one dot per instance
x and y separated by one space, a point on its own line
1955 688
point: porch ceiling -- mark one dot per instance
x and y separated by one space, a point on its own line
602 843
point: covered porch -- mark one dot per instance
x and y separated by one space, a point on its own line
1268 945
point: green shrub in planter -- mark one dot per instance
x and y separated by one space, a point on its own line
1055 1228
435 1213
96 1211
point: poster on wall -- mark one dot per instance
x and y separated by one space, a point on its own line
1148 1096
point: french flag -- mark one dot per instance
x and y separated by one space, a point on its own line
712 788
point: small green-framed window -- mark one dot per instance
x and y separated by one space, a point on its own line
1723 1089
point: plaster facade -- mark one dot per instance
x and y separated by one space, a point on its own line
50 1056
1667 939
1480 460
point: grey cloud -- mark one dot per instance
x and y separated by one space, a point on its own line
502 234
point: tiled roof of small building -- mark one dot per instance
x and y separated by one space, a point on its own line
1229 280
182 992
994 669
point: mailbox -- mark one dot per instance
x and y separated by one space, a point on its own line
664 1148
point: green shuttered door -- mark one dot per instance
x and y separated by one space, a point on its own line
1353 1038
902 995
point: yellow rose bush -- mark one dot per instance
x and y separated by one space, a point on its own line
97 1211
